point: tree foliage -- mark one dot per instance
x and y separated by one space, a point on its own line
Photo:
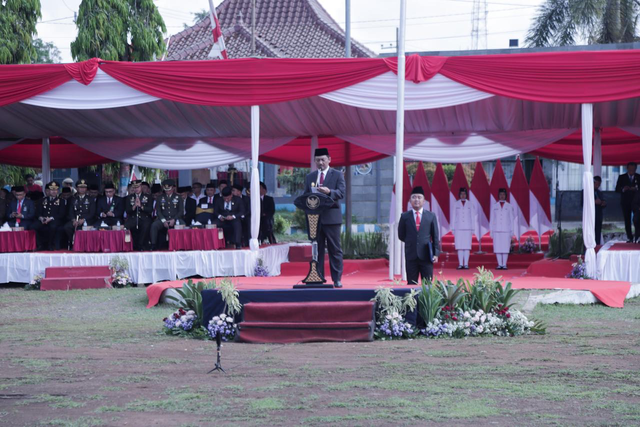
18 20
567 22
119 30
45 52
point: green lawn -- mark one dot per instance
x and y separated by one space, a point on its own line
89 358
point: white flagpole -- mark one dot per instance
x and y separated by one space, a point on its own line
400 124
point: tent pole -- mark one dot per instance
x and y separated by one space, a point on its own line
597 152
314 146
255 177
46 161
348 172
400 126
589 208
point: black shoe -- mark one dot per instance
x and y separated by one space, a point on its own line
466 267
238 246
337 285
499 267
629 241
505 268
459 267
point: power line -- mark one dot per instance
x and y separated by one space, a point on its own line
441 38
56 19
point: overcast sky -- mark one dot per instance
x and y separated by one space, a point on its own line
431 24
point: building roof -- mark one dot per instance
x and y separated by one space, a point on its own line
284 29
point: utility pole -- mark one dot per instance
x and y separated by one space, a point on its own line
348 172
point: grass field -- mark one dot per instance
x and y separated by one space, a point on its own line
90 358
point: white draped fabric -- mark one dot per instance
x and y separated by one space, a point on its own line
597 152
379 93
149 267
589 209
103 92
462 148
618 265
255 178
176 153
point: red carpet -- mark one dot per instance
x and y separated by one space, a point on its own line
369 274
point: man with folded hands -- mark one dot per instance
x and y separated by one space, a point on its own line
110 207
230 210
205 212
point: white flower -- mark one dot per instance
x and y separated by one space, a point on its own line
223 316
178 323
219 322
230 319
483 318
191 313
479 329
215 319
466 315
388 316
467 324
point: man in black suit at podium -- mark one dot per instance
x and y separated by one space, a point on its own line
627 186
330 182
418 229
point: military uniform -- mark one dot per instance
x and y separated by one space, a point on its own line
139 218
50 214
168 208
80 208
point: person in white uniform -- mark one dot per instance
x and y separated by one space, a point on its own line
501 228
463 221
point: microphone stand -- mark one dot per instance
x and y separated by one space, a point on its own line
218 366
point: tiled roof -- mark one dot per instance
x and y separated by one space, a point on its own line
284 29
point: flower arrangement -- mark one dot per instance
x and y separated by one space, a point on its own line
222 325
180 321
121 280
579 270
190 298
119 276
529 246
455 310
260 270
393 326
34 285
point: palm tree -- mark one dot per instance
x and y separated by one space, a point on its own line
563 22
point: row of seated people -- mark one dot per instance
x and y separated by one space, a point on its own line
148 211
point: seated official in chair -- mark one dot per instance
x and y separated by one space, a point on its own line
230 210
21 211
189 205
205 213
138 207
170 208
81 210
51 214
110 207
418 229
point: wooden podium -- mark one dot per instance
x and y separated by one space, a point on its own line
313 204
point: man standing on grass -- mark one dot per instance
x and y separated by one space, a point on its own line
330 182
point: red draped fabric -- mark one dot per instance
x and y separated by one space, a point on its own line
561 77
63 154
298 153
195 239
236 82
618 148
108 241
17 241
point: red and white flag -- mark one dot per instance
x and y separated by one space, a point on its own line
519 199
539 204
498 181
440 200
135 173
218 51
480 196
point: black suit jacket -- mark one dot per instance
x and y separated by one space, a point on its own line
117 205
416 242
28 211
237 207
56 209
247 206
267 207
204 214
334 181
189 210
626 198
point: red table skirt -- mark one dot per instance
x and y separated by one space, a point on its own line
17 241
101 241
195 239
